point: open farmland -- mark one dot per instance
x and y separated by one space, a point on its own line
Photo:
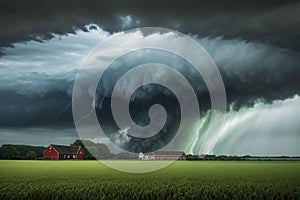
183 179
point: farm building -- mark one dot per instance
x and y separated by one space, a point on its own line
61 152
163 155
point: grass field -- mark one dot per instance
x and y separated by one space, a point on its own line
181 180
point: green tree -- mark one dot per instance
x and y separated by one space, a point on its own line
101 150
104 152
10 152
31 155
86 154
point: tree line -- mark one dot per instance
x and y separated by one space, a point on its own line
11 151
27 152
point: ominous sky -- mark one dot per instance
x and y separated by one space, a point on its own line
255 45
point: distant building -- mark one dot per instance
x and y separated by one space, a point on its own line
61 152
162 155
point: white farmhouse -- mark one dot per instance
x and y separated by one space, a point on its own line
162 155
146 156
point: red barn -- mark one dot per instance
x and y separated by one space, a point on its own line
61 152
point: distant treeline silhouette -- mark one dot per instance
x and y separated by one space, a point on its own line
11 151
15 152
27 152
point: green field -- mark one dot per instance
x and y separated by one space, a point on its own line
183 179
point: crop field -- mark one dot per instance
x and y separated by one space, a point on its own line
181 180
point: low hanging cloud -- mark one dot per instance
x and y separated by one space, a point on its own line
14 135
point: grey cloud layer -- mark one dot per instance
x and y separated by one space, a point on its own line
37 136
274 22
37 78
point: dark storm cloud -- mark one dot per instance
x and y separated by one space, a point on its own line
51 109
255 71
251 71
274 22
37 78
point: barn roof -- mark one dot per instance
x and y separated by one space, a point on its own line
165 153
62 149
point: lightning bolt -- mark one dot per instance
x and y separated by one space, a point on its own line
63 110
85 116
